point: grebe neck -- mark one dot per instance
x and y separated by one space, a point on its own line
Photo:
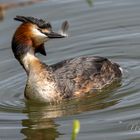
29 62
24 53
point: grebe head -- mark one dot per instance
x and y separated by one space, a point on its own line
31 35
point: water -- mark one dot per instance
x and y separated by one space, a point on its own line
110 28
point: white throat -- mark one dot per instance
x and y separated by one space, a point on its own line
28 58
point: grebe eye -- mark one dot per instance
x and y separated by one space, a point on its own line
44 26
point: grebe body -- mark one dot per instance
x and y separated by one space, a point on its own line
65 79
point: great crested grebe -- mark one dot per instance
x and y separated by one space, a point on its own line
65 79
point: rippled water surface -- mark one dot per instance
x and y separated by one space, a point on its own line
109 28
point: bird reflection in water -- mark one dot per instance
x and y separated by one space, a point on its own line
41 123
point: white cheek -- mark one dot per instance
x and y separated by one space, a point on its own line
38 33
39 37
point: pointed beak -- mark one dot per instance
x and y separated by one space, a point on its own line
54 35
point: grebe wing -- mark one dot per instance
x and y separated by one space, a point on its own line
85 62
82 73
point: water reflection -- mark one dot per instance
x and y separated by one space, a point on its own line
41 117
41 129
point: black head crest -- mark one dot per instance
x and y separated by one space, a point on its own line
39 22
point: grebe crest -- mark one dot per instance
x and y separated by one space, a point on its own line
65 79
